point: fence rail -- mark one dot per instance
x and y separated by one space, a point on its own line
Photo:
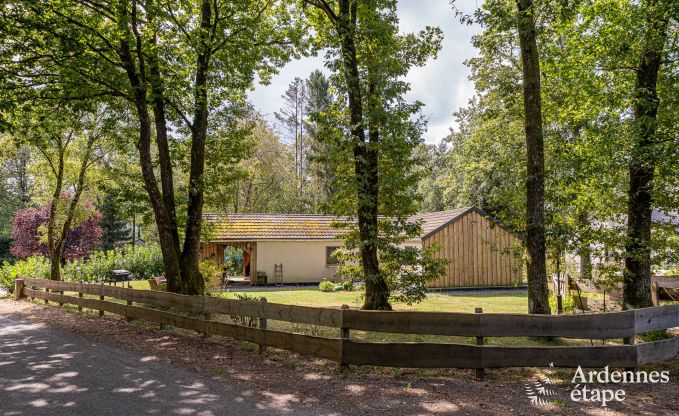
345 350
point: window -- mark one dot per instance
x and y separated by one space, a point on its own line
330 260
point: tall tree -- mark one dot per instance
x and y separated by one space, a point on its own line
69 145
637 272
535 173
139 52
293 116
319 102
268 184
115 227
370 59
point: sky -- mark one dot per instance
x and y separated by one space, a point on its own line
442 85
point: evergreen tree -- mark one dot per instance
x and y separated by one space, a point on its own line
292 116
319 100
114 228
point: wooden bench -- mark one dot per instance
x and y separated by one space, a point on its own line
158 283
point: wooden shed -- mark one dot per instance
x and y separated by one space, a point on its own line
481 253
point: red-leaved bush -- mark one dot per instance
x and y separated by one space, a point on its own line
80 240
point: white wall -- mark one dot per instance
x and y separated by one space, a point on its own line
303 261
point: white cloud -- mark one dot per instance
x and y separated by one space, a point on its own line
442 85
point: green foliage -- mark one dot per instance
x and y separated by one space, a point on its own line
567 303
406 269
655 335
5 246
268 183
113 225
348 285
246 320
15 186
326 286
36 267
589 56
372 132
212 273
233 261
142 261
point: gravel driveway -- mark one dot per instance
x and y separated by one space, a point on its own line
48 371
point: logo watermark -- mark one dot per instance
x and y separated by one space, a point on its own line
594 386
541 392
587 387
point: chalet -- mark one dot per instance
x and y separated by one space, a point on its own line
297 248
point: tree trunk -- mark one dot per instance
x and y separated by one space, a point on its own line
165 235
637 272
192 280
162 144
52 240
535 181
365 164
585 251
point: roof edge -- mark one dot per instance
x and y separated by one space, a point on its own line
450 221
462 214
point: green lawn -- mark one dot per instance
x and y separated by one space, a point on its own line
449 302
453 302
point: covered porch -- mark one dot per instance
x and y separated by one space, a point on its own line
220 253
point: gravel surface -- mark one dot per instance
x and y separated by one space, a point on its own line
237 378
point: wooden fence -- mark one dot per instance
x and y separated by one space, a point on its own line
346 350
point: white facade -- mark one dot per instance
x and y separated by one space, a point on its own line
303 261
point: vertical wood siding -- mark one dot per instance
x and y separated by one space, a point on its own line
479 252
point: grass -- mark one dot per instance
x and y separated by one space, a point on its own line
435 302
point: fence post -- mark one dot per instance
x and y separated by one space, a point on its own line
480 372
655 297
345 334
206 317
61 292
80 295
18 288
47 291
629 341
127 318
101 312
262 325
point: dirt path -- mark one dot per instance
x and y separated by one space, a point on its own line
288 383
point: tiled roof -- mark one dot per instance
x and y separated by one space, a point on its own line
433 220
240 227
253 227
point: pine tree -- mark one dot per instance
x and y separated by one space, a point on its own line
292 116
115 229
319 100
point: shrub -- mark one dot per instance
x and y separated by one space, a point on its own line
658 335
211 273
567 302
144 262
34 266
348 285
246 320
326 286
